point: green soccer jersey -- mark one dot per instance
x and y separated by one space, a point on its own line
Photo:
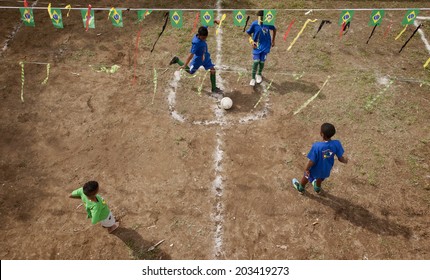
97 211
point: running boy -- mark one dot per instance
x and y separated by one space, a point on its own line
321 160
199 56
261 41
95 205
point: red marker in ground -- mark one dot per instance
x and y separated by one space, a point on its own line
289 29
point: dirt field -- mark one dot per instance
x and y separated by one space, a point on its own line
214 184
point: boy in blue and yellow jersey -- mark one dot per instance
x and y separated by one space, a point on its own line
261 41
321 160
199 56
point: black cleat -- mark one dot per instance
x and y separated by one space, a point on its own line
217 90
174 60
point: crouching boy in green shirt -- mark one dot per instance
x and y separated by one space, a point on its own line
96 206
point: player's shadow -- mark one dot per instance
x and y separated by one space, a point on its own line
243 102
138 246
287 87
360 216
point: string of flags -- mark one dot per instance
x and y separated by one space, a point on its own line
207 18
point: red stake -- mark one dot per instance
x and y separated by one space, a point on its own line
341 30
195 23
289 29
88 18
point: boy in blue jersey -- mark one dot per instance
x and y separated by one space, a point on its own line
321 160
199 56
261 41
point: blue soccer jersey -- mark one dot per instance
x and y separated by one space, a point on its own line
322 155
261 36
201 55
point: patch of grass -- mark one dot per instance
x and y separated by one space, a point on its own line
82 53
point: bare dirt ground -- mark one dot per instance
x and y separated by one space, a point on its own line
217 184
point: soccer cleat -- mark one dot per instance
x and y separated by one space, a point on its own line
217 90
316 188
174 60
252 82
297 186
258 79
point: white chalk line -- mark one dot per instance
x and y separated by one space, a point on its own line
423 37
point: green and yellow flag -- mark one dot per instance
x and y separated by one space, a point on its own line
239 17
27 16
410 17
207 17
55 16
269 17
376 17
116 17
142 14
91 23
176 18
346 16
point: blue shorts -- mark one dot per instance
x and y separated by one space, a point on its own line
194 65
311 178
261 56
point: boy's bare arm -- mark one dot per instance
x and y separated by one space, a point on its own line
343 159
274 37
72 196
308 167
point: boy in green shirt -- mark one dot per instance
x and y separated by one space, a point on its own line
96 206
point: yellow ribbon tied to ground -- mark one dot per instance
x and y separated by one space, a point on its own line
300 33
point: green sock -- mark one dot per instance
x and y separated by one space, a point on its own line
261 67
213 81
180 62
254 68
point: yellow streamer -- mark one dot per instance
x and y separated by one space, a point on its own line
112 10
300 33
22 80
265 94
251 42
401 32
49 11
220 22
155 85
68 7
312 98
48 66
201 84
427 63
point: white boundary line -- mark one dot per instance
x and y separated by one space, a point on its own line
423 37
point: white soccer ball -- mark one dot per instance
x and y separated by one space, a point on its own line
226 103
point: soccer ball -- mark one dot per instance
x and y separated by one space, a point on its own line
226 103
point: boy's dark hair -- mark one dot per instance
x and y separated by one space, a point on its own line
203 31
260 13
90 188
328 130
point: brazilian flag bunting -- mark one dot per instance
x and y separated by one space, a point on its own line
91 23
116 17
176 18
239 17
376 17
27 16
269 17
142 14
57 18
207 17
410 17
346 16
